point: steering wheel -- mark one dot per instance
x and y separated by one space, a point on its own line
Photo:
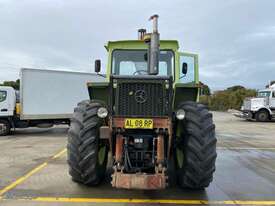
140 72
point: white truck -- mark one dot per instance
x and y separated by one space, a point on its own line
261 108
47 97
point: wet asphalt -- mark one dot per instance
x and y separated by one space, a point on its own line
245 170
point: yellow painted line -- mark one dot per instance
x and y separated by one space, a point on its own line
30 173
149 201
23 178
59 154
246 148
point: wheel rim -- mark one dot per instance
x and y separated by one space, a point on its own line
262 116
180 157
3 128
101 155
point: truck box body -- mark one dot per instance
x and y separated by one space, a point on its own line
50 94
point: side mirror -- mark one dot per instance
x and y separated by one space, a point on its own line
97 65
184 68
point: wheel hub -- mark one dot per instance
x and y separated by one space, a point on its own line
263 116
3 128
101 155
180 157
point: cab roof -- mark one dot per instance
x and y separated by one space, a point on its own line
266 90
6 88
140 44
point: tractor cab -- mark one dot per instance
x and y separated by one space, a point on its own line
130 58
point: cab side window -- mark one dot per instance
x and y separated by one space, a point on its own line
191 61
3 96
273 94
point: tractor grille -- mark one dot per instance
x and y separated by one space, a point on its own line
142 98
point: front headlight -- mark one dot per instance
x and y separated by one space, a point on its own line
102 112
180 114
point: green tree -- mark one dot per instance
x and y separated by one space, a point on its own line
205 90
14 84
230 98
235 88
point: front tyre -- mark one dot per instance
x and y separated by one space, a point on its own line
195 153
87 155
262 116
5 127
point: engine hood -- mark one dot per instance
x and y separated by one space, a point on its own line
255 103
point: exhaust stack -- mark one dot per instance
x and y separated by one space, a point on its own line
153 64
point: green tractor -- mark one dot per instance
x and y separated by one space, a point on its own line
145 115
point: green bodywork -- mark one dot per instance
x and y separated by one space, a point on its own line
184 91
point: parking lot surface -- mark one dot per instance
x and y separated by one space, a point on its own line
33 171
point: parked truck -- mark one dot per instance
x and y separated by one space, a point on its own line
46 97
147 116
260 108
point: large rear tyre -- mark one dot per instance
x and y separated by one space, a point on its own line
87 155
195 153
262 116
5 127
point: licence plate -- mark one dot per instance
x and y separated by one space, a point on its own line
138 124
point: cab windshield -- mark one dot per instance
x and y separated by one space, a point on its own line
134 62
3 96
263 94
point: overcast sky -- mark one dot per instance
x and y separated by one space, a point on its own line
235 39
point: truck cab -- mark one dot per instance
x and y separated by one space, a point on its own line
269 95
7 108
261 107
7 101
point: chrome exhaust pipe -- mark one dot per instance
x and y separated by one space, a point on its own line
153 64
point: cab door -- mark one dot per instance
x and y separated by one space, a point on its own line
192 75
272 100
7 101
186 85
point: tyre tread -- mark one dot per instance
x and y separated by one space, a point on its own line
83 143
199 147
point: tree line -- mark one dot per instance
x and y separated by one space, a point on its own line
230 98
